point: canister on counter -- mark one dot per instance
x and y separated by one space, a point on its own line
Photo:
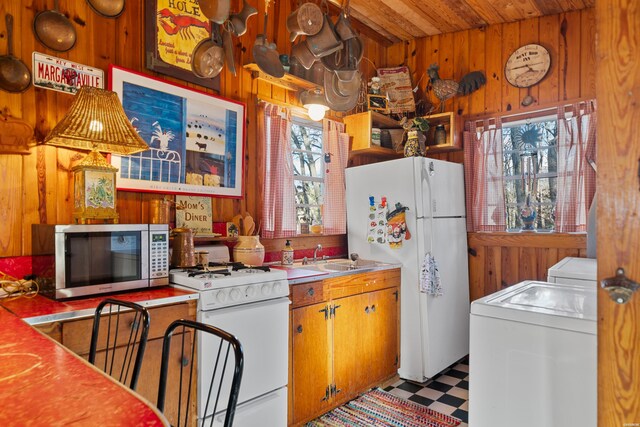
375 136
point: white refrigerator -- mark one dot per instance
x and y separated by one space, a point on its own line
434 330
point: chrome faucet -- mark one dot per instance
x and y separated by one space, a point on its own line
315 253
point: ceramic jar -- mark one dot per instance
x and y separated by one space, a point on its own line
249 250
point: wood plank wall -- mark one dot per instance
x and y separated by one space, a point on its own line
503 259
569 37
498 260
37 188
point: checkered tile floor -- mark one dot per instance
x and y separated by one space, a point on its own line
447 392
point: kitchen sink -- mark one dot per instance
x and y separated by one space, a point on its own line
336 265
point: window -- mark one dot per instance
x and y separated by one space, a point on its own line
530 168
308 171
532 174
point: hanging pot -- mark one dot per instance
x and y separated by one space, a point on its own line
227 45
341 59
54 30
107 8
14 74
215 10
343 27
265 55
208 56
341 96
325 42
301 52
239 21
305 20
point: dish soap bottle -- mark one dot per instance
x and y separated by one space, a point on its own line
287 254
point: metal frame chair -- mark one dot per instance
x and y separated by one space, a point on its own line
138 330
217 377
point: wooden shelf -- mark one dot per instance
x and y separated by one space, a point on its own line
288 81
359 126
453 141
376 151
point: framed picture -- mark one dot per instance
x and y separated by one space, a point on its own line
377 103
172 31
195 139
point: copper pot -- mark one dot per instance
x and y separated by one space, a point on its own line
182 248
306 20
159 211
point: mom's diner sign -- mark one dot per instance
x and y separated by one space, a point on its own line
65 76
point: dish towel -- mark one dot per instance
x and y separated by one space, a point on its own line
430 276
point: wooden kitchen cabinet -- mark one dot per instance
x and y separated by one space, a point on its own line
344 344
76 335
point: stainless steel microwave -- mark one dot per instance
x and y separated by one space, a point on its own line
89 259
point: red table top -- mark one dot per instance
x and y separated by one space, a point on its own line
43 383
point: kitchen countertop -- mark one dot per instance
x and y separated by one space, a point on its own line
299 274
41 309
44 383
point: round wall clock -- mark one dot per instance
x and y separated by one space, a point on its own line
527 65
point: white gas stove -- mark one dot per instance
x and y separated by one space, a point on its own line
251 303
227 285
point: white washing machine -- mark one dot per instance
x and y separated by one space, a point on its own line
575 271
533 358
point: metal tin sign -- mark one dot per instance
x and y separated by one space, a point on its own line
65 76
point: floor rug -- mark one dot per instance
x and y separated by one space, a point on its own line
381 409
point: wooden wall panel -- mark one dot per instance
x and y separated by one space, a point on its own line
569 37
499 260
100 42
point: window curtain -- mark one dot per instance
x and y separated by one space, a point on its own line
279 205
336 143
483 170
576 178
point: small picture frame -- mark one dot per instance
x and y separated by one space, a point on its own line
377 103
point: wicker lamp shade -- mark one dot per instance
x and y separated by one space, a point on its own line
96 121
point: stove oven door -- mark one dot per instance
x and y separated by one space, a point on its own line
262 329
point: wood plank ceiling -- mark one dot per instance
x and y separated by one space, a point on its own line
400 20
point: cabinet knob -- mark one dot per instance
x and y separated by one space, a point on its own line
366 309
373 308
311 292
299 329
184 362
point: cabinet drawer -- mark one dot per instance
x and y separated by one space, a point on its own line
381 280
343 286
76 335
306 293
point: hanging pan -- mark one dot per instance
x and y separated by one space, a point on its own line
265 55
107 8
14 74
215 10
208 56
54 30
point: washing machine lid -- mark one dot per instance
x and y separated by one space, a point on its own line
570 307
575 268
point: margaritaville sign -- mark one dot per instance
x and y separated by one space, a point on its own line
65 76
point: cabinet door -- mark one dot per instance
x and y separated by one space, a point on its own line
311 361
150 378
382 334
350 368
